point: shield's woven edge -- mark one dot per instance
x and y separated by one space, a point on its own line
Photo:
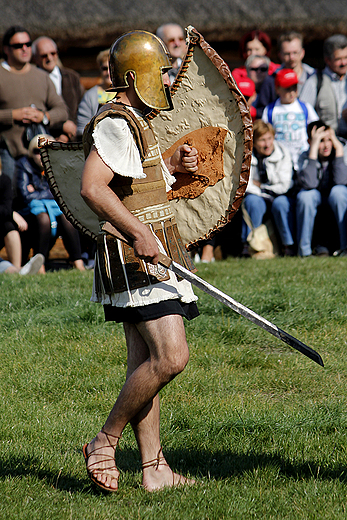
44 145
195 38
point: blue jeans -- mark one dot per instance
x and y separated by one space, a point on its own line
307 203
281 209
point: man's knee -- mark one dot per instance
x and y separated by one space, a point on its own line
170 366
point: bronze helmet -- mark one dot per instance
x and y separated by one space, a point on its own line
146 56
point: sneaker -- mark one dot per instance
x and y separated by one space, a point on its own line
321 251
33 266
340 252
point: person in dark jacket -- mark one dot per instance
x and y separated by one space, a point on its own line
10 224
66 81
322 179
46 221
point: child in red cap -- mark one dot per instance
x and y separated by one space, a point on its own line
288 115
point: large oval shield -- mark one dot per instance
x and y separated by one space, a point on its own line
210 114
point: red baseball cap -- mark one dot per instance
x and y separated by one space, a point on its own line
286 78
246 86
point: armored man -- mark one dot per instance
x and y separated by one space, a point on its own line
125 182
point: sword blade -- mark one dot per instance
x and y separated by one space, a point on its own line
245 312
224 298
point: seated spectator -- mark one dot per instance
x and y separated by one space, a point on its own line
10 223
254 43
288 115
46 221
173 36
322 179
291 53
96 96
66 81
271 178
327 91
32 267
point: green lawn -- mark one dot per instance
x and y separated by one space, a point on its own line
260 426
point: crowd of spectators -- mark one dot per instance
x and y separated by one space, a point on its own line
300 123
299 162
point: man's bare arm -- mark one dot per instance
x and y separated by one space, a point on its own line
101 199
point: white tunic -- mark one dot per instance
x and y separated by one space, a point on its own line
117 148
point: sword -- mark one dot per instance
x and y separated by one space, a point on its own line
227 300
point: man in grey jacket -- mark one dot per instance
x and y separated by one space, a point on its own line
327 91
322 179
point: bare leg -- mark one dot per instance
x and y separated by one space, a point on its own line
13 247
207 253
157 352
79 265
146 424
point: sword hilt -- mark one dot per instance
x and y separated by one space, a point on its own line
111 230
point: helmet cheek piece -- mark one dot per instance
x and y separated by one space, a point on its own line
169 98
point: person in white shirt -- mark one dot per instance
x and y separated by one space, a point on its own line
289 115
271 178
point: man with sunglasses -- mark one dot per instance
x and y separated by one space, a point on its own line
27 95
66 81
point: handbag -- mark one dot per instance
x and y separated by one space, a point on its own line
262 239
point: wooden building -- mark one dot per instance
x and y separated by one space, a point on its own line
82 28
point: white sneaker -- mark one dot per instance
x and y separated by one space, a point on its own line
33 266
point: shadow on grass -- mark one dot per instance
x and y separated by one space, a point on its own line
217 465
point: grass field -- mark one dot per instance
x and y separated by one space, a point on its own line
261 427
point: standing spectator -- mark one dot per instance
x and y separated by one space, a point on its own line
291 53
327 91
27 95
97 95
66 81
46 221
271 178
254 43
247 89
173 36
288 115
257 68
322 177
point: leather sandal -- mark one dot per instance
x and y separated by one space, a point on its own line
107 458
160 461
155 463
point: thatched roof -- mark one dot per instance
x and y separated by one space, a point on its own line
91 23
